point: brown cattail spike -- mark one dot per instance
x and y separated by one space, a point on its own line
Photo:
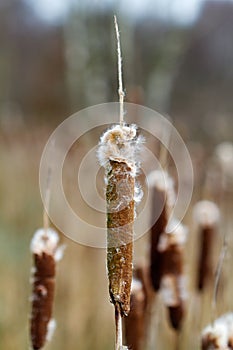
173 288
44 248
120 218
206 216
117 152
204 261
135 322
163 200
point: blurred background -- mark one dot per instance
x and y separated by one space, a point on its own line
58 57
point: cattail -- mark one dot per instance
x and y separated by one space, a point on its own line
206 215
163 200
173 288
135 322
218 335
44 246
117 152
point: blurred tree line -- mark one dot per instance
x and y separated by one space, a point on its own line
50 70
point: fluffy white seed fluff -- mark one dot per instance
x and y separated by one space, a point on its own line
164 183
173 289
137 289
136 285
50 329
59 252
220 332
121 144
46 242
176 235
216 334
206 213
224 153
168 290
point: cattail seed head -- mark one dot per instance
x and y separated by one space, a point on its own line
219 335
163 200
120 144
117 153
135 322
161 181
44 246
206 215
173 282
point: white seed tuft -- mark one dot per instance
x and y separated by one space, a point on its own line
224 153
206 213
136 285
59 252
164 183
44 241
50 329
176 234
173 289
224 156
220 332
120 144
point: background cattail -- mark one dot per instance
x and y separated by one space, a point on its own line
163 200
135 322
224 156
173 281
117 152
218 335
44 246
206 216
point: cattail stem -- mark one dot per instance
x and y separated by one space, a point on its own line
120 88
46 206
177 341
217 278
46 220
118 323
219 271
